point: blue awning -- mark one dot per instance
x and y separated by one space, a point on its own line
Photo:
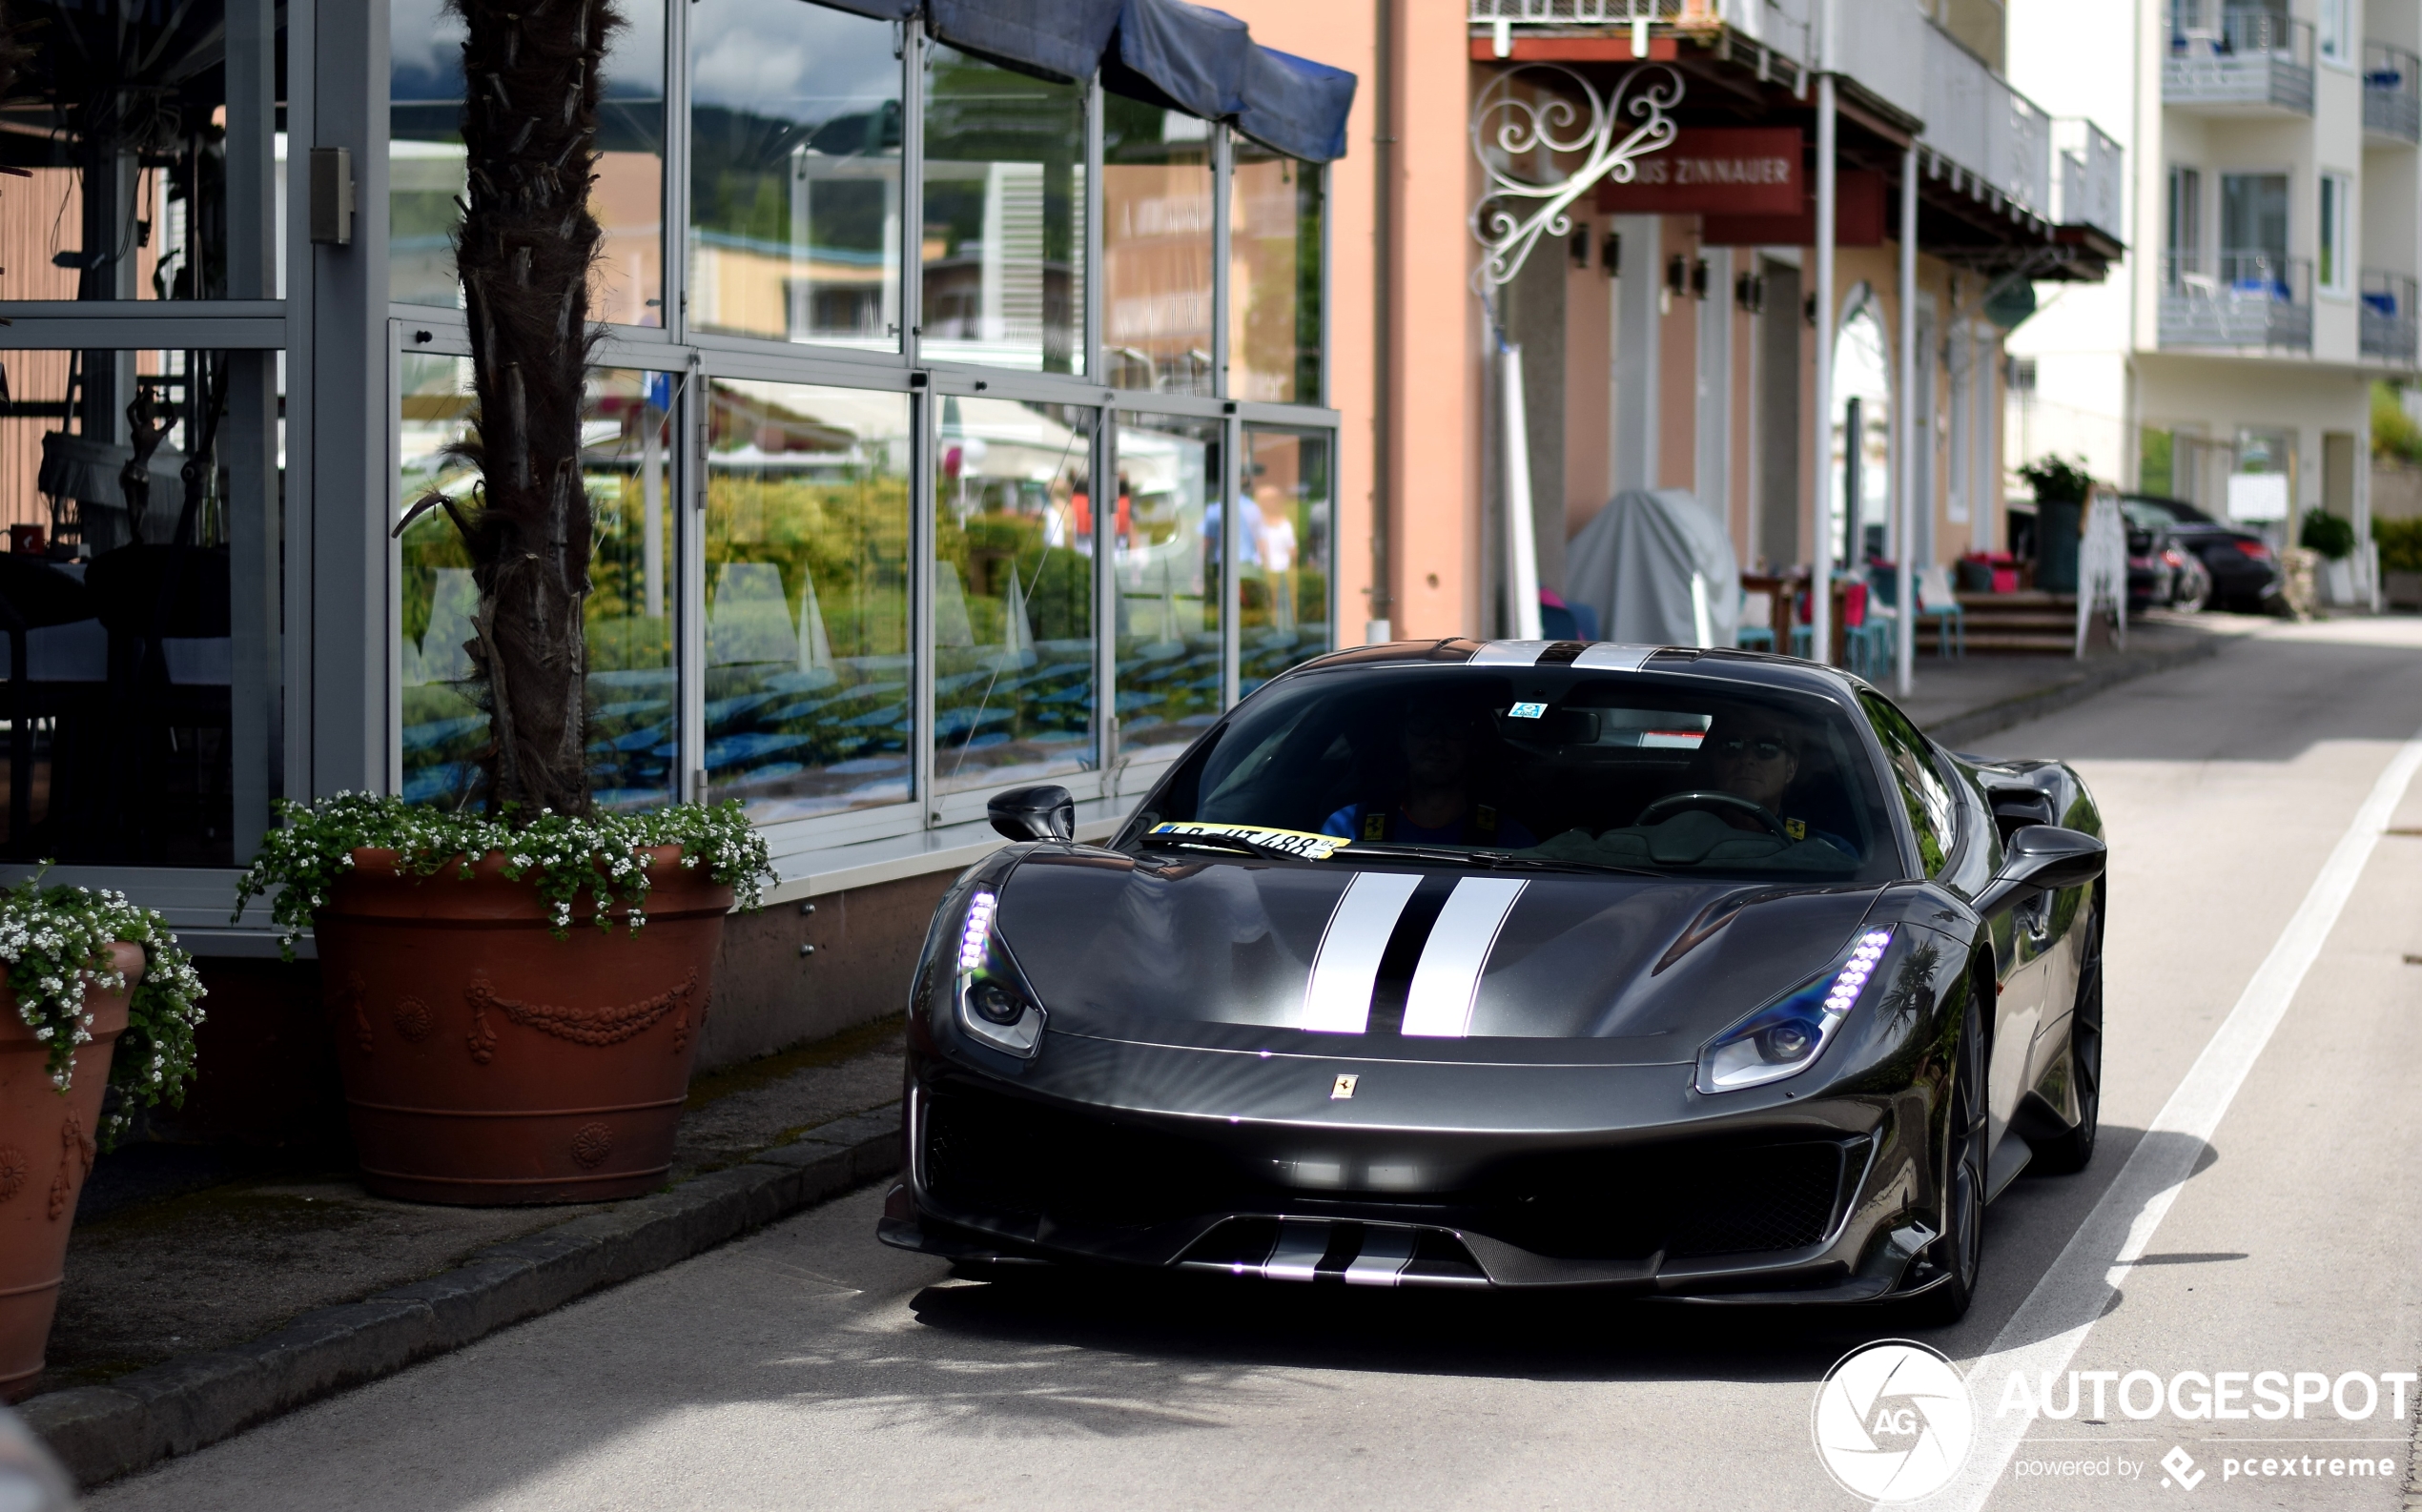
1186 57
1181 56
1294 105
1063 39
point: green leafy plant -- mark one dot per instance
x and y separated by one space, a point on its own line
2327 533
2393 432
56 942
601 856
2400 543
2056 482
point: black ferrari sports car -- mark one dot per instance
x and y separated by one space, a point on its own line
1521 964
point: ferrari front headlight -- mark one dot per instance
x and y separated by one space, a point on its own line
995 1008
1785 1037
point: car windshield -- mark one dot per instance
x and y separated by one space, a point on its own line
1550 766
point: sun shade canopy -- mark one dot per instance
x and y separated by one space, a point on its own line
1167 52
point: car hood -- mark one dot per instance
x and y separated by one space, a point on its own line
1403 962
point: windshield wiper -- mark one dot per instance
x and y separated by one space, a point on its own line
1495 860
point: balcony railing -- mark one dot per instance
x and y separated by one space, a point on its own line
1781 25
1974 117
2237 299
2237 59
2389 326
2093 178
2391 93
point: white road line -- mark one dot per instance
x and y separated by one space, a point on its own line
2044 1334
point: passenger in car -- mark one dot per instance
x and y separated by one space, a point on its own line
1438 806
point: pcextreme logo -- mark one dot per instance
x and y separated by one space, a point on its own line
1892 1422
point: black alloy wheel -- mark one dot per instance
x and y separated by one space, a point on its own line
1957 1257
2070 1151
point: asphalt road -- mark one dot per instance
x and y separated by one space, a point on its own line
810 1367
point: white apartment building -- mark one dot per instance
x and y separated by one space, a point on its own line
2271 221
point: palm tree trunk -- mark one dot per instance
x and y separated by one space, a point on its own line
529 131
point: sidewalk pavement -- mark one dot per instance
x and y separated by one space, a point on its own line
290 1286
1958 702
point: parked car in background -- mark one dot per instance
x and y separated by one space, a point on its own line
2244 570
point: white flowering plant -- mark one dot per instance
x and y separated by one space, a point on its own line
604 855
56 942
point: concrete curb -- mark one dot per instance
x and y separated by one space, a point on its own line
1994 718
139 1419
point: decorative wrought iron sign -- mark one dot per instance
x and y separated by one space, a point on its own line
1522 120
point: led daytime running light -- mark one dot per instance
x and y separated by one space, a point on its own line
1785 1037
974 940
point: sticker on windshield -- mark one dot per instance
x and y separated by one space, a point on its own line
1293 841
1527 711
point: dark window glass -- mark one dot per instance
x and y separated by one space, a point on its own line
140 606
146 135
1923 792
1678 774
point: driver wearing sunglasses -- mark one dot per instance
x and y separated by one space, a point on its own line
1757 758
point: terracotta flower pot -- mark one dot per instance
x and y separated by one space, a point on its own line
46 1152
487 1062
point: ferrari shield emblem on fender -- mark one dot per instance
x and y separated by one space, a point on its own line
1342 1088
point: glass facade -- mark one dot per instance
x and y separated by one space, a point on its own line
1012 593
139 619
626 447
928 446
1275 241
1003 245
425 170
1158 192
809 661
794 174
160 198
1168 542
1283 551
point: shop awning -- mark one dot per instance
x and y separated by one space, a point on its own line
879 10
1063 38
1181 56
1296 105
1187 57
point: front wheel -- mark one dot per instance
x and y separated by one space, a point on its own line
1959 1254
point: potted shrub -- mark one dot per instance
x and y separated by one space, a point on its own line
2060 489
517 994
2331 536
105 1002
514 1006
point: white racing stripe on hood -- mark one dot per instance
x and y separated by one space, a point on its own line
1337 1000
1446 983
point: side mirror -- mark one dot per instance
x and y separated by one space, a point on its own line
2043 857
1048 812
